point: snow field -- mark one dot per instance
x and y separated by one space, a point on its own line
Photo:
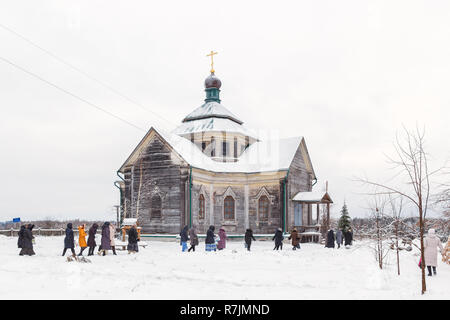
162 271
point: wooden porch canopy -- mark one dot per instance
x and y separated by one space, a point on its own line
312 197
315 197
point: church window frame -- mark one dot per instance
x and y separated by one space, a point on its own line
229 193
256 203
156 207
229 208
263 208
201 207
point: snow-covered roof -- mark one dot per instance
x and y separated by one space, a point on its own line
211 109
312 196
261 156
212 124
129 221
310 233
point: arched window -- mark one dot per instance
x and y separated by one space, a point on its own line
201 207
228 208
156 207
263 208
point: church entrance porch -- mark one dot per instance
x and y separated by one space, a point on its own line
304 202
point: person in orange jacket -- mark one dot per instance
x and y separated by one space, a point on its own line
82 238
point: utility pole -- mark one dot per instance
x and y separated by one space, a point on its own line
117 215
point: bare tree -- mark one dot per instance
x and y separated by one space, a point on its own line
396 214
412 162
380 233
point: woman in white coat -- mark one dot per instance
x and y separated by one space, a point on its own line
112 235
431 242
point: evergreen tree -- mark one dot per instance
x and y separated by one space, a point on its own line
344 220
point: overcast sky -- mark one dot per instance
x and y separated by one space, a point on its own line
344 74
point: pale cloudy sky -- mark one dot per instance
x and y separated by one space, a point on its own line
344 74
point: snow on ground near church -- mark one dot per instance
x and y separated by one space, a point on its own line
162 271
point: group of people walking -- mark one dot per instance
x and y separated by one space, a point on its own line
107 242
107 239
341 237
214 243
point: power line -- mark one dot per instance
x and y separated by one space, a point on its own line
85 74
71 94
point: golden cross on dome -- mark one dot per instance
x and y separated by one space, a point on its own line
211 54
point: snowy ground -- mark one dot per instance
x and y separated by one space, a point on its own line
162 271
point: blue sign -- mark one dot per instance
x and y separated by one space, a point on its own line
16 220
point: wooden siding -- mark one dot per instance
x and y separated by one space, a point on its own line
162 175
299 179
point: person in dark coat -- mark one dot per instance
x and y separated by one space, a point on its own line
295 239
339 237
91 239
184 238
106 240
133 240
278 237
27 241
330 239
194 238
348 237
21 235
69 240
248 238
210 241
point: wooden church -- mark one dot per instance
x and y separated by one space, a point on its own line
212 170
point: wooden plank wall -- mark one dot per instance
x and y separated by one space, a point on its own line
164 175
299 179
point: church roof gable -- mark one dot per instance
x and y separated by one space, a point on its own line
261 156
